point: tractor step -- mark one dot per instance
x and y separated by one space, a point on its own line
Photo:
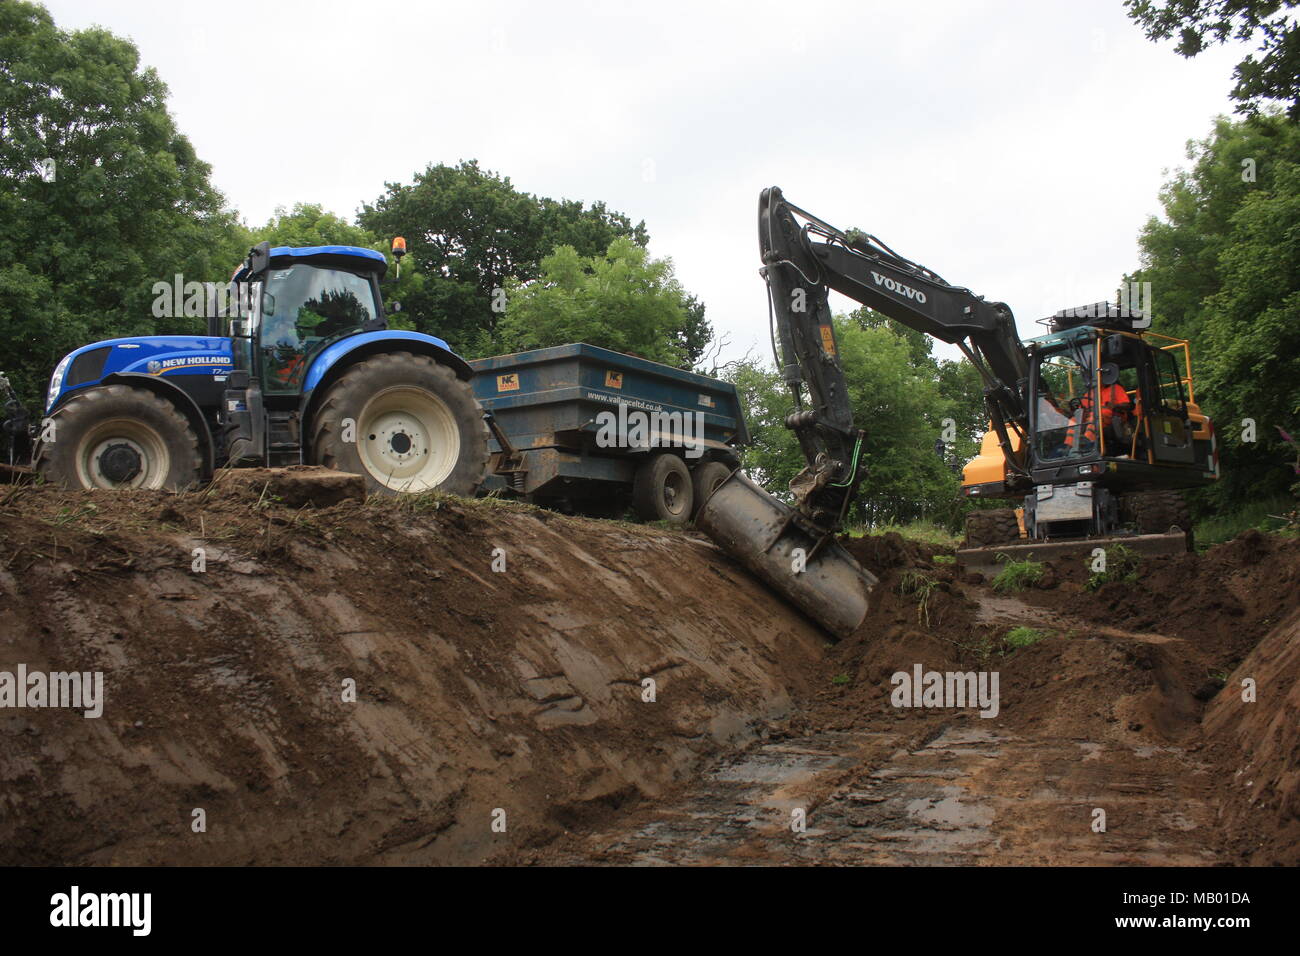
990 560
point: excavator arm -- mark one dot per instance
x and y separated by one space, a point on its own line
794 549
803 259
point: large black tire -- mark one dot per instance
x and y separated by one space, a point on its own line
1156 512
416 427
704 479
116 436
987 529
662 491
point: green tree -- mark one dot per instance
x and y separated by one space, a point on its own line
894 389
308 224
124 202
1204 23
1223 270
469 230
622 300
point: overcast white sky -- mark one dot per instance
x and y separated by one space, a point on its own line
1015 147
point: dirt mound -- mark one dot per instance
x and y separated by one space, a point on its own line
231 630
1223 601
1258 745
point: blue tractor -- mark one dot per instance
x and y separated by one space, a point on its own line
301 369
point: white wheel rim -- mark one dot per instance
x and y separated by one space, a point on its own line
148 445
408 439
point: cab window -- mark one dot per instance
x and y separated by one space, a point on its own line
306 308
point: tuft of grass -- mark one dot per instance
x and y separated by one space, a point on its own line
840 680
1017 576
1024 636
925 532
1267 515
1122 564
945 559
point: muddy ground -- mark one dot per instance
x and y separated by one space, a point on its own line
449 681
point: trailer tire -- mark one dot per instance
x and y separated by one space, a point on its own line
115 437
662 491
705 479
987 529
415 427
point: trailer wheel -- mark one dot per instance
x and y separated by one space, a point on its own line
986 529
116 436
405 424
705 479
661 489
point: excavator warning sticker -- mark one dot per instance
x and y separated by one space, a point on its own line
707 401
613 379
828 340
508 383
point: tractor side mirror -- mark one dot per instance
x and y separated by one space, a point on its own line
259 259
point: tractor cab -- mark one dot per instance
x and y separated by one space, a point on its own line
298 302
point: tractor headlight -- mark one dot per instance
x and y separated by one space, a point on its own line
56 380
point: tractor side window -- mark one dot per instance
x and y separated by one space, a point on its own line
1065 427
307 308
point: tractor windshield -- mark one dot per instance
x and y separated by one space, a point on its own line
308 307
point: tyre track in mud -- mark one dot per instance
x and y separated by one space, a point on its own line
955 790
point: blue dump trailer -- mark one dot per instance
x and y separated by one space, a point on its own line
587 429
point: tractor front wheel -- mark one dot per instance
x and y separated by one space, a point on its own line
405 424
116 436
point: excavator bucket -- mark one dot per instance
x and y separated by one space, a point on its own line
989 561
824 582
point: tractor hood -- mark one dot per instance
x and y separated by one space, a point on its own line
157 355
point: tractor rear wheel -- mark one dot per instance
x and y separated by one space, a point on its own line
404 423
705 479
116 436
987 529
661 489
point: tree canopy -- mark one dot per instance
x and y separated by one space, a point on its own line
469 230
1203 23
622 299
1224 264
103 196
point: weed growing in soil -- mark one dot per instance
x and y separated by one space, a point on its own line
916 584
1024 636
1121 565
841 679
1017 576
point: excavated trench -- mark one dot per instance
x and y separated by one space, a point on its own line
444 681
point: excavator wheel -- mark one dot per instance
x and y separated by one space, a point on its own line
661 489
1155 512
986 529
116 436
404 423
705 478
